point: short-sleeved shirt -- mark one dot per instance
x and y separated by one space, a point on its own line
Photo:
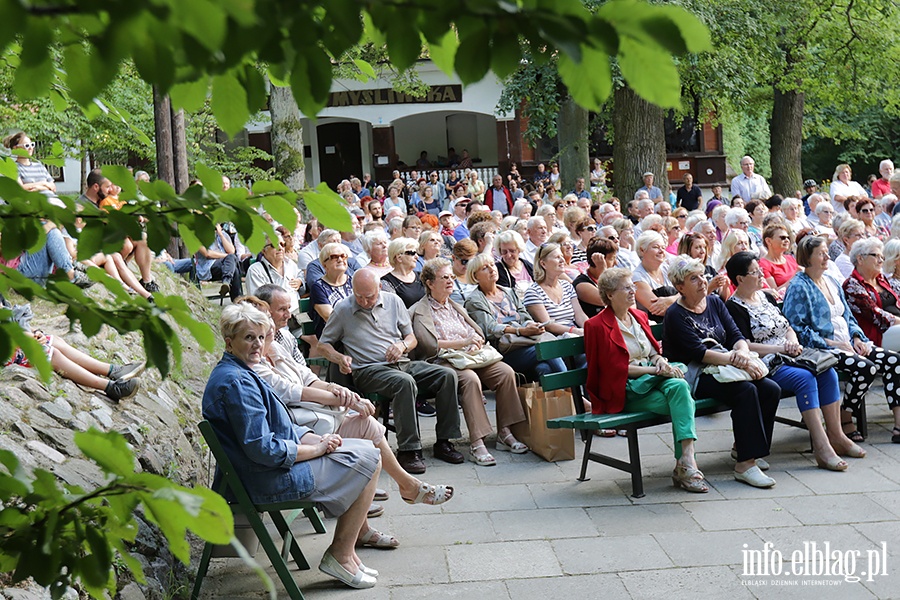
410 293
689 199
323 292
654 191
589 309
562 313
367 333
684 331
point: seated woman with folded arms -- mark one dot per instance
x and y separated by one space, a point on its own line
694 323
441 324
551 299
769 333
874 303
627 372
278 461
817 309
655 293
498 311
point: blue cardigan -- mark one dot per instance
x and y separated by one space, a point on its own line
808 311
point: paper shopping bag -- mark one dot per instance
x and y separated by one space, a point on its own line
550 444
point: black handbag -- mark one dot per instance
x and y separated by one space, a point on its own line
813 360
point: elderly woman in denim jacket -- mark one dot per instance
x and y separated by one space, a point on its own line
278 461
816 308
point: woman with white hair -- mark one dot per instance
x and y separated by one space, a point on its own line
793 214
512 271
375 244
718 219
332 287
654 292
627 257
825 215
402 280
738 218
850 232
697 318
872 300
278 461
891 266
522 209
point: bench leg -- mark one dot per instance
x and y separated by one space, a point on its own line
634 456
281 567
201 570
861 420
587 457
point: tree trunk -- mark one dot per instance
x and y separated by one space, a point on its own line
162 116
573 144
287 138
179 152
786 133
639 144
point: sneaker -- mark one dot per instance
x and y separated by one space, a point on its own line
424 409
82 280
126 372
121 390
150 286
80 267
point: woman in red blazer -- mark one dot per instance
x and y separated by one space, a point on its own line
626 370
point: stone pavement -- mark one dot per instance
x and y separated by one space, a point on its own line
527 529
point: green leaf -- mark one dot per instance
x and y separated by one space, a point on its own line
203 20
364 67
109 450
33 349
650 72
212 180
81 84
8 168
404 47
12 22
123 178
373 33
270 187
35 71
473 57
505 54
443 53
677 30
327 208
189 238
202 332
229 103
190 95
589 83
281 210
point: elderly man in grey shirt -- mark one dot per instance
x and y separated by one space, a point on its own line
376 332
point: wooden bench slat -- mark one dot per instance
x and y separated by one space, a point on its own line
561 348
622 420
566 379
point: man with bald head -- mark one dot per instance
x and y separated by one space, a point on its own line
376 333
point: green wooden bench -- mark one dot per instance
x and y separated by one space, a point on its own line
631 422
254 512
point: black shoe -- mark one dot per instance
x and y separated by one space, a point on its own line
150 286
121 390
82 280
445 451
424 409
126 372
225 290
411 461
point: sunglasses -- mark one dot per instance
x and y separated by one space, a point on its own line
866 210
272 246
590 228
337 256
464 261
27 145
410 252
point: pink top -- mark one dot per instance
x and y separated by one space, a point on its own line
780 273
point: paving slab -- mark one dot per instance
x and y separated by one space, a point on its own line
493 590
706 548
543 524
634 520
686 584
502 561
606 586
834 510
610 554
741 514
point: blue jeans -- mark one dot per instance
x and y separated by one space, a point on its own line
180 265
812 391
524 360
38 265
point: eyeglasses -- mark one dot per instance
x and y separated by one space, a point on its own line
866 210
628 288
273 246
450 277
784 238
337 256
743 223
410 252
876 256
27 145
755 273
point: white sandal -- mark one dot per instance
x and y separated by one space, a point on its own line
516 447
375 539
439 494
484 460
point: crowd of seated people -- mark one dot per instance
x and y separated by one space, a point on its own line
433 269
